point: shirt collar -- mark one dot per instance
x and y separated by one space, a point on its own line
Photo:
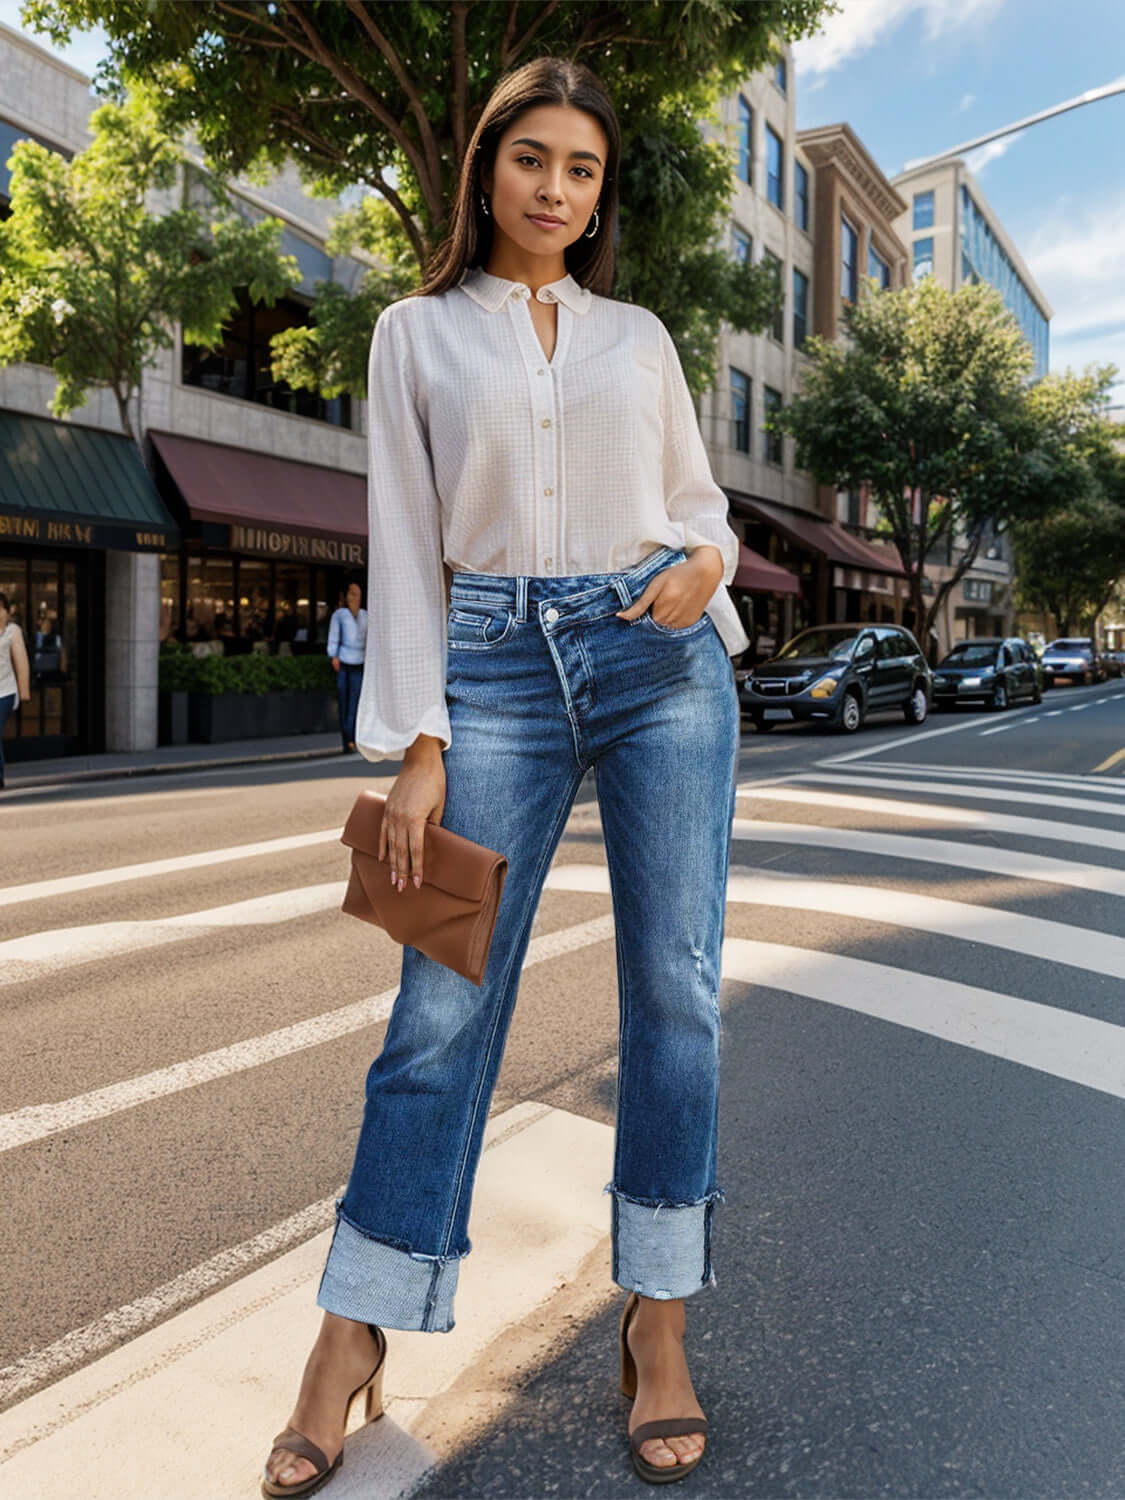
492 291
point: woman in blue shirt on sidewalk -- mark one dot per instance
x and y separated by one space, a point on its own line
347 634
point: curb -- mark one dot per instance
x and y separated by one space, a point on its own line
65 778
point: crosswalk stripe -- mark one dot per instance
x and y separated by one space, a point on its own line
965 817
1053 942
1093 786
987 794
229 1364
35 1121
1062 1043
927 850
64 885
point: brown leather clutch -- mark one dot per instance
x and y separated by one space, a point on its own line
451 916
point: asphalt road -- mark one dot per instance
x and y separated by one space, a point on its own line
921 1258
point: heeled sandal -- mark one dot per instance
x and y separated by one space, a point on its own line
661 1428
296 1442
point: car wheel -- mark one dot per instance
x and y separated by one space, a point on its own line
851 714
1085 679
1037 694
1000 697
916 707
763 726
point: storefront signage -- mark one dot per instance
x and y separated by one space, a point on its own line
271 543
52 533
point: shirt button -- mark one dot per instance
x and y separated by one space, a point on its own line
547 490
540 372
552 614
546 422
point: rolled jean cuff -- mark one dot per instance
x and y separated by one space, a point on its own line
662 1250
375 1282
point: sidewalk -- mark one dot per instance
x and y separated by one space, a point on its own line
75 768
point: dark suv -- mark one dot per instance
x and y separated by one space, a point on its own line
992 669
838 674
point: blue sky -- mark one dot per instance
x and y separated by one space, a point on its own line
913 77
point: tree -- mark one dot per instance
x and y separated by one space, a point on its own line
94 279
387 96
926 399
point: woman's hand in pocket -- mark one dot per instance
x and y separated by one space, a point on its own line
682 590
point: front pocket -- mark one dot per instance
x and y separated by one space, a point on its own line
674 632
479 627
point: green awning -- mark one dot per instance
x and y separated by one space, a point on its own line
64 485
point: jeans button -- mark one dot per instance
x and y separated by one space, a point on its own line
552 614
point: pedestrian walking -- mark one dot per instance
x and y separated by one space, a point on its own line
15 675
347 639
537 438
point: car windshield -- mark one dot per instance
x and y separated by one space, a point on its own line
970 656
1071 648
834 643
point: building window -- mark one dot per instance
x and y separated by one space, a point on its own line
778 330
774 169
779 73
923 257
849 259
772 402
740 410
878 267
742 245
745 129
800 308
978 590
983 258
924 210
850 509
800 196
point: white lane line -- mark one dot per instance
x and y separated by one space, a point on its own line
1053 713
1060 1043
964 817
879 748
1094 785
987 794
34 1121
1054 942
129 1425
94 879
41 953
1000 729
1077 708
924 850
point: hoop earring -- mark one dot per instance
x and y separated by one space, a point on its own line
590 233
484 205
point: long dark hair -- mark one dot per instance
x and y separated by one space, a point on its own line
468 240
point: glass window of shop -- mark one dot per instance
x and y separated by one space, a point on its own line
43 595
249 603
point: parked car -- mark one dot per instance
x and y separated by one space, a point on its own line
837 675
995 670
1114 663
1075 658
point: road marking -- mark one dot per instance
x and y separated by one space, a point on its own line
1034 828
989 794
1001 729
1053 713
228 1366
94 879
35 1121
926 850
1061 1043
1053 942
1110 760
1087 782
909 739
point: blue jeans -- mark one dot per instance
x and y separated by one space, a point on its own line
349 680
543 682
7 703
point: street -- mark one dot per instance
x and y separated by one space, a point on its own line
921 1258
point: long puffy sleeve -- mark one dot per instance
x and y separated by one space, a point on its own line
691 495
403 692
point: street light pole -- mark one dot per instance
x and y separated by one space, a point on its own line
1089 97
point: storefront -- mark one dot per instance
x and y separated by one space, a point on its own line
76 507
268 548
764 594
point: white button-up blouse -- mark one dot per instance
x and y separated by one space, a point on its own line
488 457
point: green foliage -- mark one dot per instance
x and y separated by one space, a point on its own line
181 671
387 97
95 277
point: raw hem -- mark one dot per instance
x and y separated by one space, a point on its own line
373 1281
662 1248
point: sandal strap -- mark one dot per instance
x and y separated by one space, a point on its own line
294 1442
669 1427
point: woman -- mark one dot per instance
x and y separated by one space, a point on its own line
15 674
538 439
347 634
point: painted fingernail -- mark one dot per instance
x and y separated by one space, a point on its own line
393 877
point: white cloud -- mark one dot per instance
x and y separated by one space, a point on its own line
967 102
977 160
862 24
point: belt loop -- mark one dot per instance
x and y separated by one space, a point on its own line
622 590
521 598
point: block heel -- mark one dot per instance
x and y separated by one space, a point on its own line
663 1428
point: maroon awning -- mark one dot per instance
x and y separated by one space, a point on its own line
240 487
819 535
760 576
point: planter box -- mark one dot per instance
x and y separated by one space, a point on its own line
214 717
172 719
